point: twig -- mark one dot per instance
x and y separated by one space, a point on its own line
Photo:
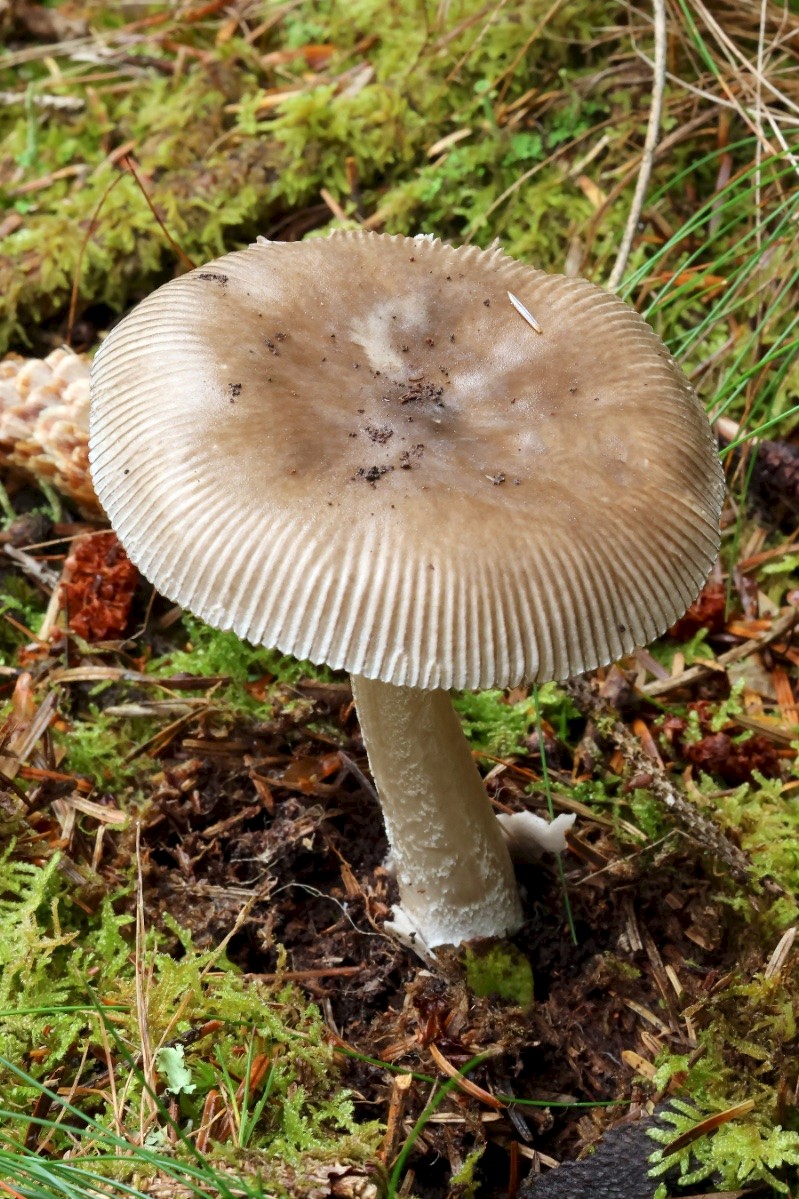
73 299
129 164
778 630
148 1106
400 1089
301 975
43 100
660 786
31 566
26 731
650 143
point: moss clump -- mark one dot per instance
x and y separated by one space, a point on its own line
745 1054
25 604
208 653
211 652
98 747
256 1055
764 818
500 728
502 970
235 134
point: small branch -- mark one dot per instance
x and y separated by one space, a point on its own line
778 630
650 144
43 100
30 566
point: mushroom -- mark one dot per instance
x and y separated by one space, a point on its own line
432 467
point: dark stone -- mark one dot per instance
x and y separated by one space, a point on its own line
619 1169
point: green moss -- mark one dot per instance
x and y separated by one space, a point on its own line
693 650
741 1153
26 604
746 1050
648 814
210 652
42 957
221 166
500 728
96 747
493 725
464 1183
69 977
764 818
501 970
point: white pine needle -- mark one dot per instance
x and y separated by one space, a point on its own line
524 312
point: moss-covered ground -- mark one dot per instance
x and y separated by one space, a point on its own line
197 995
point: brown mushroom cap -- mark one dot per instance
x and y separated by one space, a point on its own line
356 449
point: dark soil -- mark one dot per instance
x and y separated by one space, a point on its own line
284 808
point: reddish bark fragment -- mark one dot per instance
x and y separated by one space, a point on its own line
706 612
718 754
98 589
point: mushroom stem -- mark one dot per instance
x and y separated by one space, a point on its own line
452 863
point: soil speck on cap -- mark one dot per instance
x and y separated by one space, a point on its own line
212 275
271 347
486 303
421 392
378 433
408 457
234 389
496 479
372 473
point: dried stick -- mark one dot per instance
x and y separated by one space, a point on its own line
778 630
650 143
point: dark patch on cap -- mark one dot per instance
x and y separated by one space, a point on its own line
379 434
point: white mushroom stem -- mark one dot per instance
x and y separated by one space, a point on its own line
452 863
